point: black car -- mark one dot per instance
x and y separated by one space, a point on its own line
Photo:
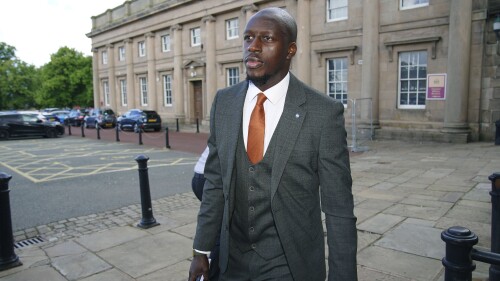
104 118
136 119
14 124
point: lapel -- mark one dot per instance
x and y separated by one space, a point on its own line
288 130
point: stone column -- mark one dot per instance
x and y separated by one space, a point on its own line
131 96
113 97
370 67
455 119
303 56
248 12
211 71
95 71
178 85
152 95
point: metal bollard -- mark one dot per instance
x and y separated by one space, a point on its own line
83 130
197 126
69 129
147 220
117 132
167 142
494 271
177 123
97 127
8 258
458 263
140 136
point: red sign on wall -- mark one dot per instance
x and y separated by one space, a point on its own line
436 86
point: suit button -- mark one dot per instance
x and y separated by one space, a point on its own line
254 246
251 169
251 188
251 229
251 209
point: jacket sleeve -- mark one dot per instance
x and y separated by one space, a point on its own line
336 197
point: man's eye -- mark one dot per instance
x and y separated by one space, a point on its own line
267 38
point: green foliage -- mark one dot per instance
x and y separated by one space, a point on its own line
66 80
18 80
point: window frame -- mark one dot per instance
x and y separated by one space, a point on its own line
345 90
409 92
328 11
414 6
123 92
141 46
167 90
105 89
104 55
232 76
195 36
143 89
165 46
232 32
121 53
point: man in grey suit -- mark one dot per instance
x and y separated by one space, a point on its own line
268 211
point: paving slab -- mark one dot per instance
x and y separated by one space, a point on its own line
78 266
109 275
106 239
415 239
37 273
419 212
365 273
380 223
175 272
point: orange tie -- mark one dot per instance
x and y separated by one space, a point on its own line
255 142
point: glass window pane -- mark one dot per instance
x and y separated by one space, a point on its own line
404 86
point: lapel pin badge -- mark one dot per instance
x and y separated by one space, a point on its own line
297 115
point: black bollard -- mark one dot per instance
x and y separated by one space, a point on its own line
69 129
494 271
147 220
458 263
8 258
117 132
140 136
167 142
97 127
197 126
177 124
83 130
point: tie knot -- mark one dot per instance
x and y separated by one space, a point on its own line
261 98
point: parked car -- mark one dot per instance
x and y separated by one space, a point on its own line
15 124
62 115
136 119
76 117
105 118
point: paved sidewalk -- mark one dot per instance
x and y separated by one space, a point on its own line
406 195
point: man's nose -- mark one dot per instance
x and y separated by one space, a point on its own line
254 46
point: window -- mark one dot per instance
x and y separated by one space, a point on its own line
336 10
337 79
123 91
121 53
143 84
233 76
195 37
232 29
410 4
105 87
412 79
167 90
165 43
104 57
142 49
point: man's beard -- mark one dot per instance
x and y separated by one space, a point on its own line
259 81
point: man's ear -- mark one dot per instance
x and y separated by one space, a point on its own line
292 49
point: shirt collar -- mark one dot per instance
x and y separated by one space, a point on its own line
273 94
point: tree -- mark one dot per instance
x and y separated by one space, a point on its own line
18 80
66 81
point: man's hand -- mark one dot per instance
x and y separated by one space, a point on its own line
199 266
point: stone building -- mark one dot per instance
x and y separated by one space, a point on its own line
411 69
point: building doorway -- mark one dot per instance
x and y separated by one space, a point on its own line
198 101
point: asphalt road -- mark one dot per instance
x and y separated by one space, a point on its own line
71 176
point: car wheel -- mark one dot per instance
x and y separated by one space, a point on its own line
4 134
51 133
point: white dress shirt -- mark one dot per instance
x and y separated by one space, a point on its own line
273 108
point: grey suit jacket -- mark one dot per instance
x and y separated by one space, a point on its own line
311 172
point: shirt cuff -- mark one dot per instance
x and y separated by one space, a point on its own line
198 252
